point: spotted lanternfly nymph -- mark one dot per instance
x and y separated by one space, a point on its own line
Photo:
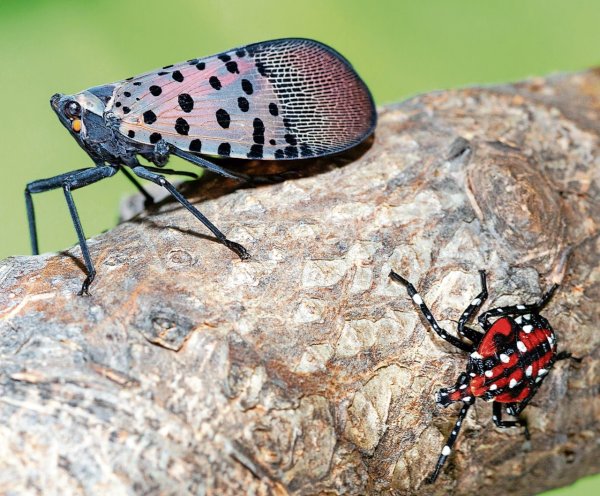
507 363
276 100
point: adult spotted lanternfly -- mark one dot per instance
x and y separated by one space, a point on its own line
507 363
282 99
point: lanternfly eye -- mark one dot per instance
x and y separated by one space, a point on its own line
73 109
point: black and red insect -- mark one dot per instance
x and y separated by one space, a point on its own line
507 363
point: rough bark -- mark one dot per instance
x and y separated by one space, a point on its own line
304 370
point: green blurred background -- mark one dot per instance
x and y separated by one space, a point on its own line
399 47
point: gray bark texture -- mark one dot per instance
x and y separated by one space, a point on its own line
305 370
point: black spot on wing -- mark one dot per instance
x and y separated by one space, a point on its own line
155 90
186 102
214 82
291 151
182 126
243 104
258 133
149 117
223 118
177 76
224 149
247 87
232 67
256 151
155 138
195 146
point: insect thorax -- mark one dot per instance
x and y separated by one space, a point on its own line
509 364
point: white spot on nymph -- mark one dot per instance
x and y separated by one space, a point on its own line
446 450
504 358
466 399
521 346
417 299
542 372
529 371
493 387
512 383
539 379
476 355
494 417
472 374
454 433
476 302
527 317
521 307
518 320
464 386
499 310
489 373
550 339
429 317
458 423
528 328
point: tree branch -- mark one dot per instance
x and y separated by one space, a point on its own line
305 370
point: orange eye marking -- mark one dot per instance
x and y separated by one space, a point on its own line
76 125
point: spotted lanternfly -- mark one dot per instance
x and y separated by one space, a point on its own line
507 363
281 99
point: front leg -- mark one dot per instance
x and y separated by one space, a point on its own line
471 310
41 186
69 182
517 309
412 292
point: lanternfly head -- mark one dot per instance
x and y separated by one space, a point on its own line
76 112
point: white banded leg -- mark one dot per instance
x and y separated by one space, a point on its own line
412 292
471 310
447 449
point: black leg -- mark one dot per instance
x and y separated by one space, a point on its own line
144 173
517 309
41 186
565 355
160 170
447 449
412 292
69 181
148 199
77 181
506 424
471 310
206 164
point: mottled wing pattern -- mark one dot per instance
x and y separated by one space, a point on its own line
280 99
